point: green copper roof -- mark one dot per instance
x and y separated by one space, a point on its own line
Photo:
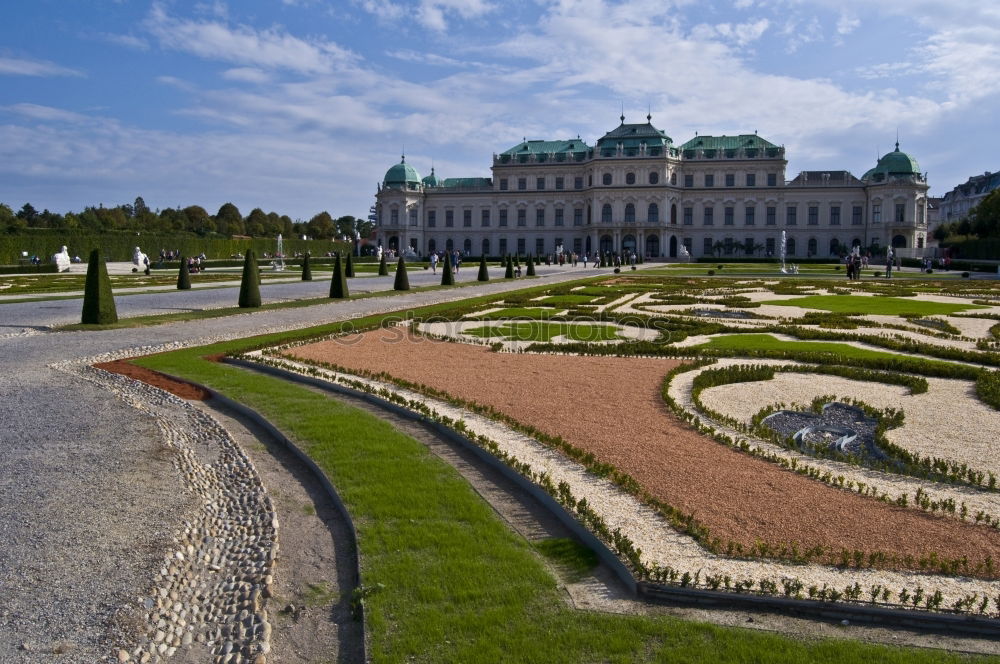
545 147
432 180
727 142
466 183
893 164
401 174
632 135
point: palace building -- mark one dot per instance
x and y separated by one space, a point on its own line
635 190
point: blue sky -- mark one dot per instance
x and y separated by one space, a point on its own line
299 106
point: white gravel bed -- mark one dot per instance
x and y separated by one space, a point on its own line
885 483
614 304
977 328
660 544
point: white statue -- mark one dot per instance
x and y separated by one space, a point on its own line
378 252
61 260
139 260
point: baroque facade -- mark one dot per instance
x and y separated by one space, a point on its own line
635 190
958 202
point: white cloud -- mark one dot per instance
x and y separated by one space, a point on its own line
41 68
847 24
247 75
45 113
432 14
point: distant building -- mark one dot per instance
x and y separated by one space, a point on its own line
957 203
635 190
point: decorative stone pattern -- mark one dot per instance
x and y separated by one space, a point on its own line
211 592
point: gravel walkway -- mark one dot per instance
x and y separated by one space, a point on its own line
91 499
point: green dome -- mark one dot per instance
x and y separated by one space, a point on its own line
893 164
402 174
432 180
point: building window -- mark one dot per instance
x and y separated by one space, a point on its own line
449 218
834 247
689 180
522 217
688 216
559 216
578 216
467 246
606 213
502 221
413 216
769 246
630 178
577 245
772 216
673 178
486 246
772 180
728 220
920 242
790 246
432 219
503 184
877 212
730 180
578 183
856 215
467 218
606 178
431 245
539 246
540 217
709 217
485 218
811 247
748 246
709 180
689 245
559 183
813 215
520 246
629 212
653 214
900 212
539 183
749 216
654 177
751 180
791 215
522 184
727 246
835 215
394 217
707 247
502 246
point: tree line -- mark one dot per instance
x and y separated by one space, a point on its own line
228 221
983 221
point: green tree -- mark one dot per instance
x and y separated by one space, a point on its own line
383 269
307 274
98 300
198 220
349 269
250 284
228 220
484 271
9 220
530 272
509 272
338 285
321 226
287 226
273 225
256 222
28 213
985 217
447 276
402 281
346 227
184 276
140 208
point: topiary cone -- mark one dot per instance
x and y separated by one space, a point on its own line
307 273
509 272
349 270
338 285
250 285
447 276
484 272
530 272
383 269
184 276
98 300
402 281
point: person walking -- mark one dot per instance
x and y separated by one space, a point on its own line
434 262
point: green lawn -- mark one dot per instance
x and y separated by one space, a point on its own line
451 582
533 313
887 306
567 300
535 331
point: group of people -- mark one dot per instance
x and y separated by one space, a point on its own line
438 257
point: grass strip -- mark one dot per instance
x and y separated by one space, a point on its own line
886 306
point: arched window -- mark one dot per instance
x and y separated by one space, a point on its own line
629 212
811 247
606 179
834 247
653 216
606 213
898 241
790 246
467 246
431 246
654 177
673 178
449 246
630 178
673 213
486 246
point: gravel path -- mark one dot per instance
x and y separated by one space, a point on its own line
91 500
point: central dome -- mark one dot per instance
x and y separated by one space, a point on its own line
893 164
401 175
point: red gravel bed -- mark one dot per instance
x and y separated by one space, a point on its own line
179 388
613 407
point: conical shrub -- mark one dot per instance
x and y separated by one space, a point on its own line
307 272
184 276
402 281
349 270
530 272
338 285
447 276
509 272
603 263
484 271
250 285
383 269
98 300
